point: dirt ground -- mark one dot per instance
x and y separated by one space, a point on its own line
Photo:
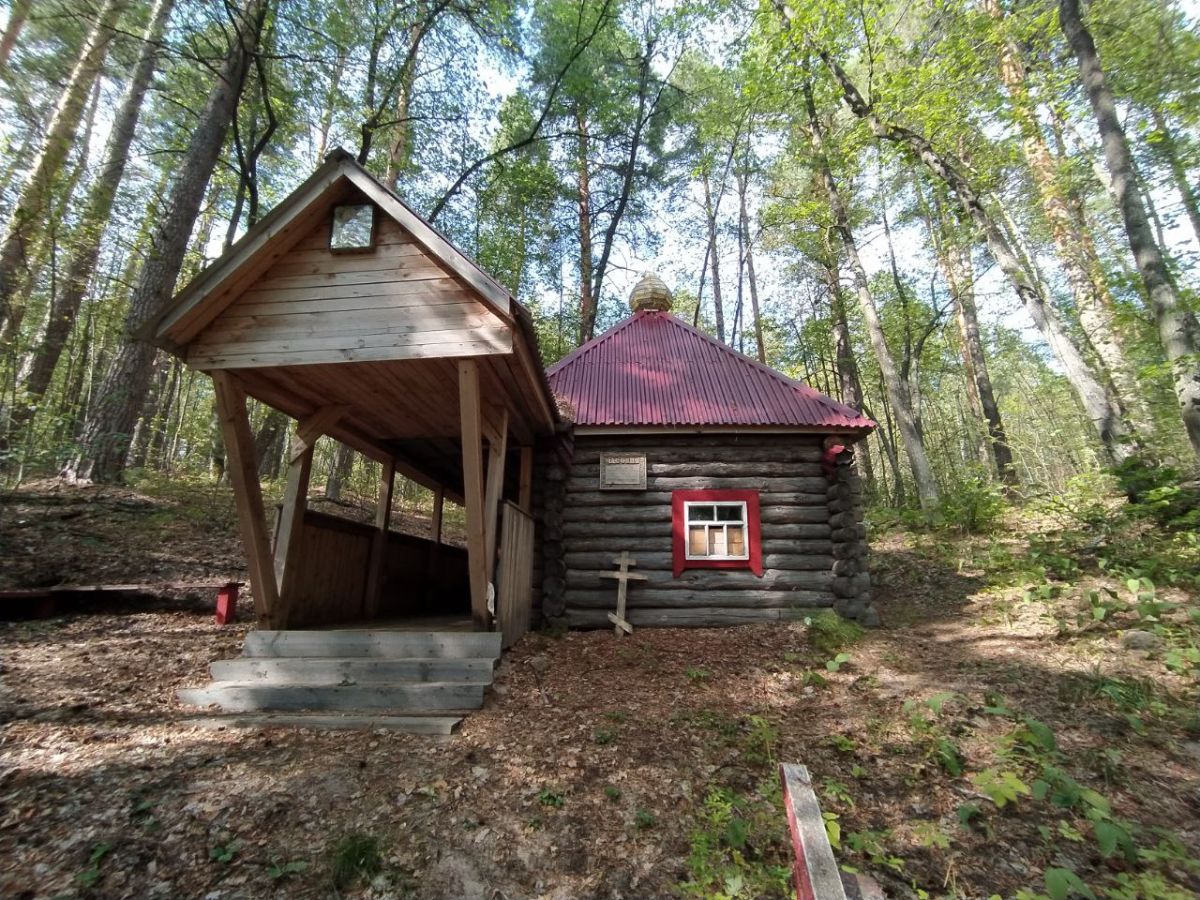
600 767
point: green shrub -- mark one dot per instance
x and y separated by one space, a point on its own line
973 506
830 633
1157 493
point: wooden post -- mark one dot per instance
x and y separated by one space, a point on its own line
433 559
525 491
290 531
247 493
497 448
472 462
379 546
435 522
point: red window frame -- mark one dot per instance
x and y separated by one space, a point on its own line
679 559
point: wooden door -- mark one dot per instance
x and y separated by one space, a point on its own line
514 577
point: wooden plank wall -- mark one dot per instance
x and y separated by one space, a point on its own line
597 525
315 306
421 578
331 571
514 594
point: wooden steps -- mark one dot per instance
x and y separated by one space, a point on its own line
430 725
417 681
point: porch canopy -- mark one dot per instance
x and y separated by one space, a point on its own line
399 346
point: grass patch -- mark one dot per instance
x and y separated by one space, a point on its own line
355 857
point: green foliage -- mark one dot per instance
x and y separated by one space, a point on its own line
829 633
974 506
760 740
224 853
1002 787
612 793
91 875
278 871
353 858
738 850
644 819
551 798
835 664
1061 884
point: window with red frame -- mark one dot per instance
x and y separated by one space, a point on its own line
715 530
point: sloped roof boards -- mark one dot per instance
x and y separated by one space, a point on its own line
654 370
378 333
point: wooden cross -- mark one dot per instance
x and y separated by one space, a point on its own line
623 576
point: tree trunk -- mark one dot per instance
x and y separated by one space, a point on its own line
1076 251
339 472
1165 147
956 264
897 392
17 14
745 226
266 443
398 151
29 210
849 386
331 98
587 302
1104 414
710 220
90 230
1177 328
961 279
105 440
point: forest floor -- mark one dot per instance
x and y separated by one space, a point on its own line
1002 732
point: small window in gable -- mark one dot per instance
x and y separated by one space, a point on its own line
716 530
353 227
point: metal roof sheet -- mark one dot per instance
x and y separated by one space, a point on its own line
654 369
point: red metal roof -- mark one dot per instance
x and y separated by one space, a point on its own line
654 369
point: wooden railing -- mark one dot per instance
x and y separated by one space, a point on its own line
815 869
514 576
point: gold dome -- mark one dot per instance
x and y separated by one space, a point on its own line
651 293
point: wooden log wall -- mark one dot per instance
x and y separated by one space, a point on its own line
420 577
852 580
581 529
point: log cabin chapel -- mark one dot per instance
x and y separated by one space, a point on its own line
730 486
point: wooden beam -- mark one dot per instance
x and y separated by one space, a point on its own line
472 459
383 513
497 448
290 529
525 491
247 493
312 427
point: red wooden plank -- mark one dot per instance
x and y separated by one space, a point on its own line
815 870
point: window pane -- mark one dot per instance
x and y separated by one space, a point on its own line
716 542
737 543
702 514
697 544
352 227
729 513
